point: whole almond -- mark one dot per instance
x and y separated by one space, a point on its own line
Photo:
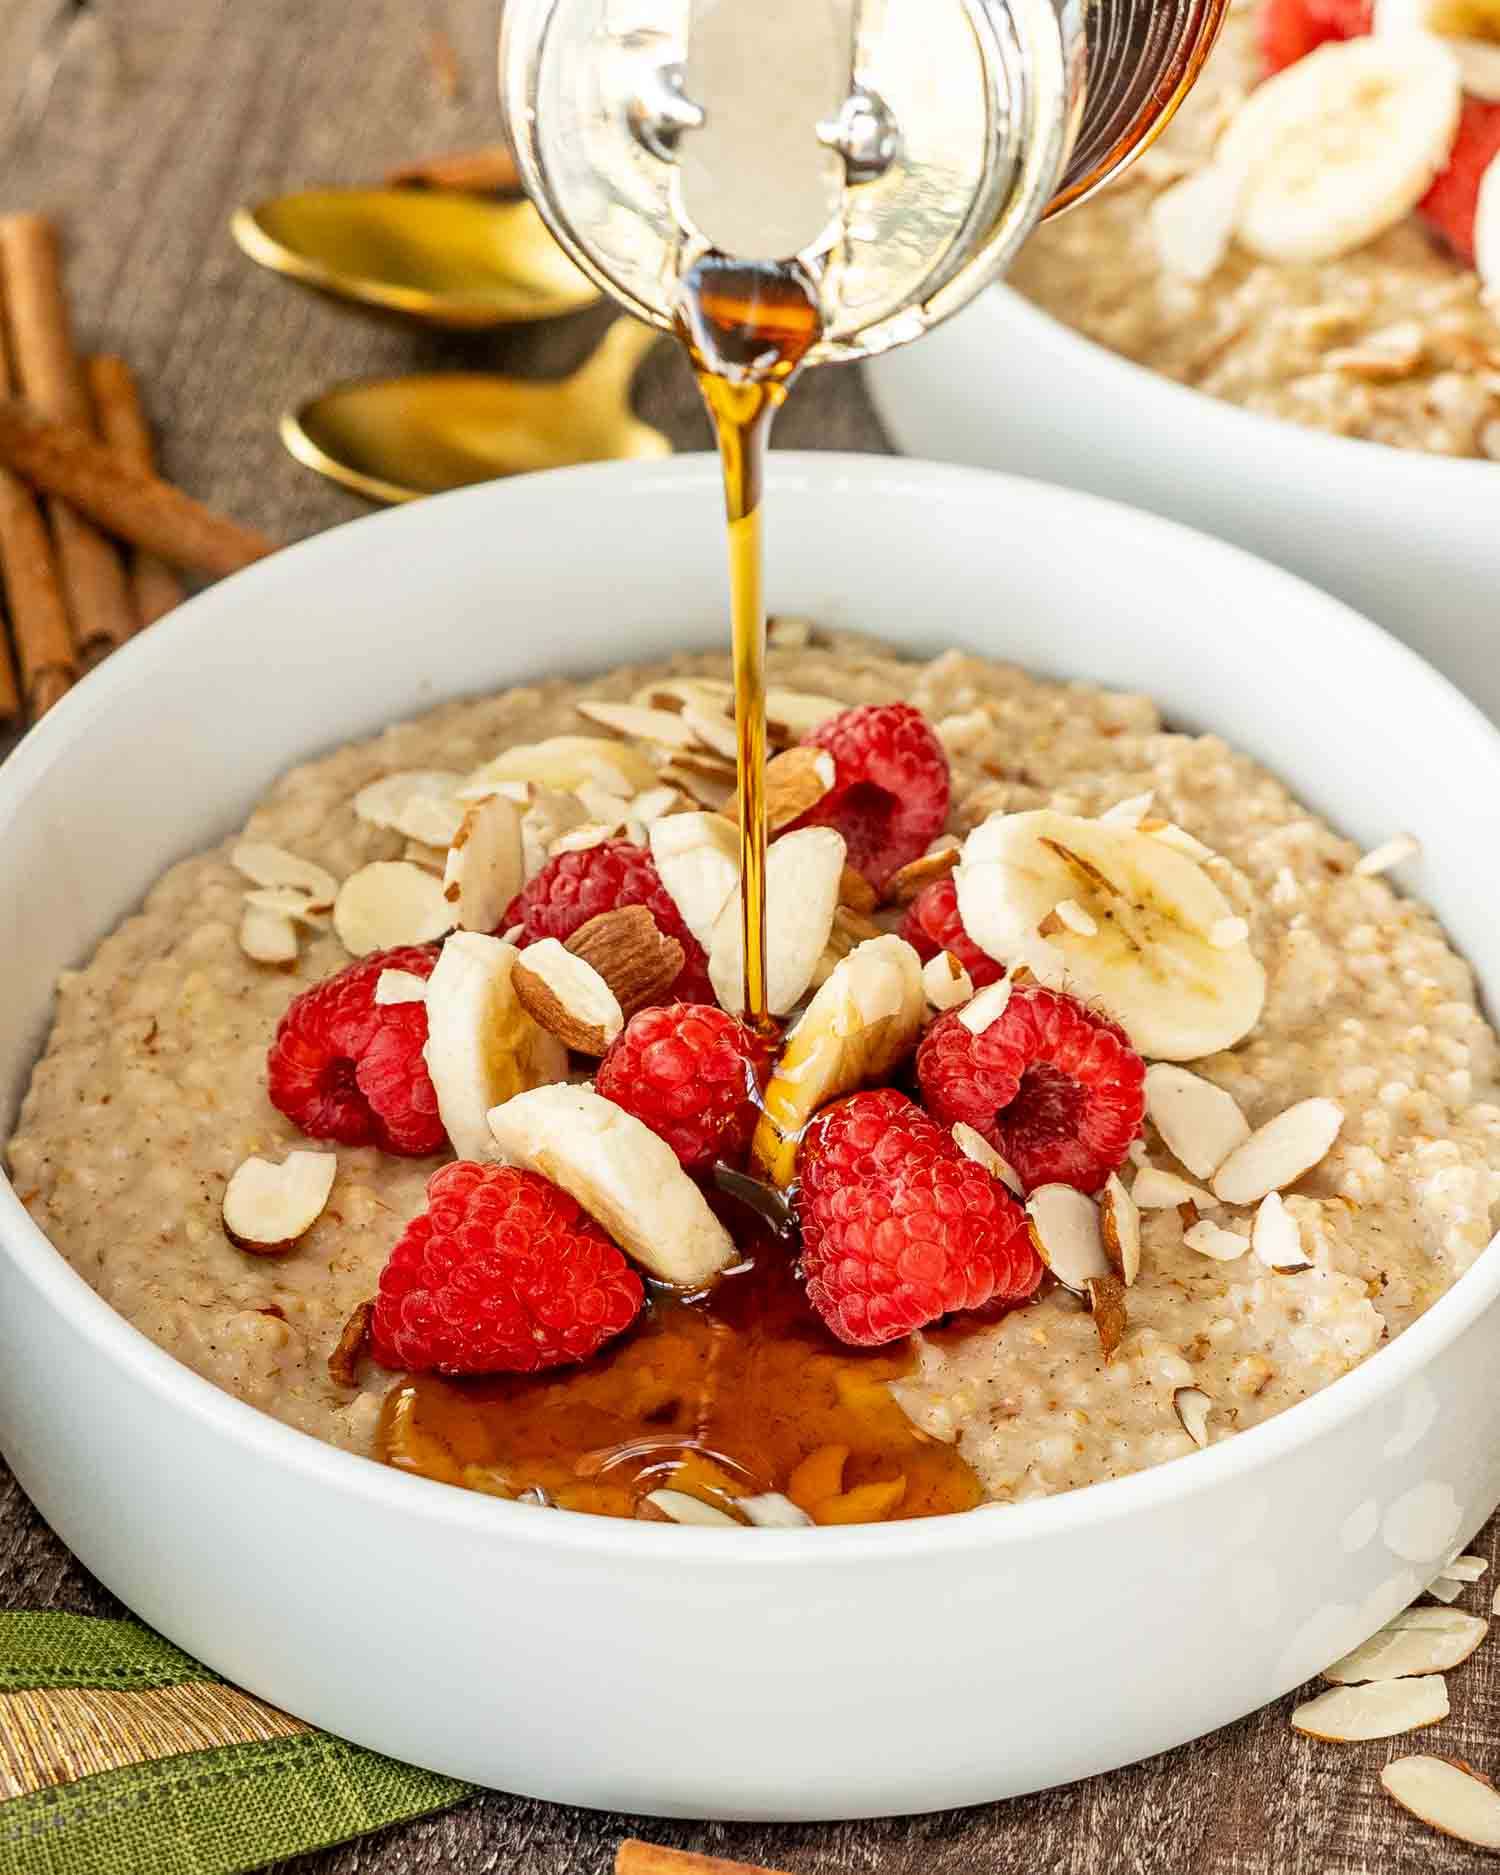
637 962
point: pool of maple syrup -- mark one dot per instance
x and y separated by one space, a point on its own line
741 1390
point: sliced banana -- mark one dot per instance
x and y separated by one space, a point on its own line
569 762
1151 964
1487 233
1470 29
482 1046
803 872
1342 145
863 1021
622 1174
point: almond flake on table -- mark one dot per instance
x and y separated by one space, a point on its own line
1394 852
1448 1796
1418 1640
1467 1568
1444 1588
1379 1709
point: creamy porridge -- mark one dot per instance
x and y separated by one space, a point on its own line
1389 339
153 1089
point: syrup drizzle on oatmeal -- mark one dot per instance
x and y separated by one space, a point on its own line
728 1394
723 1397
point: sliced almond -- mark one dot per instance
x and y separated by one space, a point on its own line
1120 1228
1156 1190
771 1511
1192 1407
987 1007
709 791
714 730
343 1363
605 805
654 804
1071 914
483 1046
856 892
387 904
1347 1714
268 1207
1107 1304
485 868
676 693
418 802
267 937
698 858
796 780
588 833
789 634
1065 1230
1212 1240
284 901
1200 1124
567 996
400 986
792 715
545 817
1444 1589
1448 1796
861 1024
521 792
628 950
429 858
1129 813
973 1145
802 890
266 865
679 1507
946 983
563 762
1280 1152
668 730
1467 1568
622 1174
1418 1640
917 874
1275 1237
1394 852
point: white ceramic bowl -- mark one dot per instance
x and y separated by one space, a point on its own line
1412 540
799 1674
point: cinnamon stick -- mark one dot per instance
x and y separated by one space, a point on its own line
122 497
122 423
33 585
51 376
490 170
648 1858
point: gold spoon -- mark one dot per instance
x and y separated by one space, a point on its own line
394 439
447 258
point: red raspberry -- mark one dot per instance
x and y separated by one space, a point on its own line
503 1273
693 1074
574 887
932 924
1449 204
889 798
1290 29
1055 1088
345 1067
898 1226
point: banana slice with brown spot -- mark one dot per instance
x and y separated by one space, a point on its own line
1145 948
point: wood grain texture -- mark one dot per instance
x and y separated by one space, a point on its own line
159 117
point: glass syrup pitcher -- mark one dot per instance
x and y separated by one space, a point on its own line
898 150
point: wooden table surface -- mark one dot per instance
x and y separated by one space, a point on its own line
140 124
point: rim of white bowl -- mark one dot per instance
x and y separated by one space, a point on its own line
449 1507
1242 428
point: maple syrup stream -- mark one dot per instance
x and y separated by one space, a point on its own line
742 1391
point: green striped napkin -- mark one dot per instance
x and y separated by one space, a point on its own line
120 1755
